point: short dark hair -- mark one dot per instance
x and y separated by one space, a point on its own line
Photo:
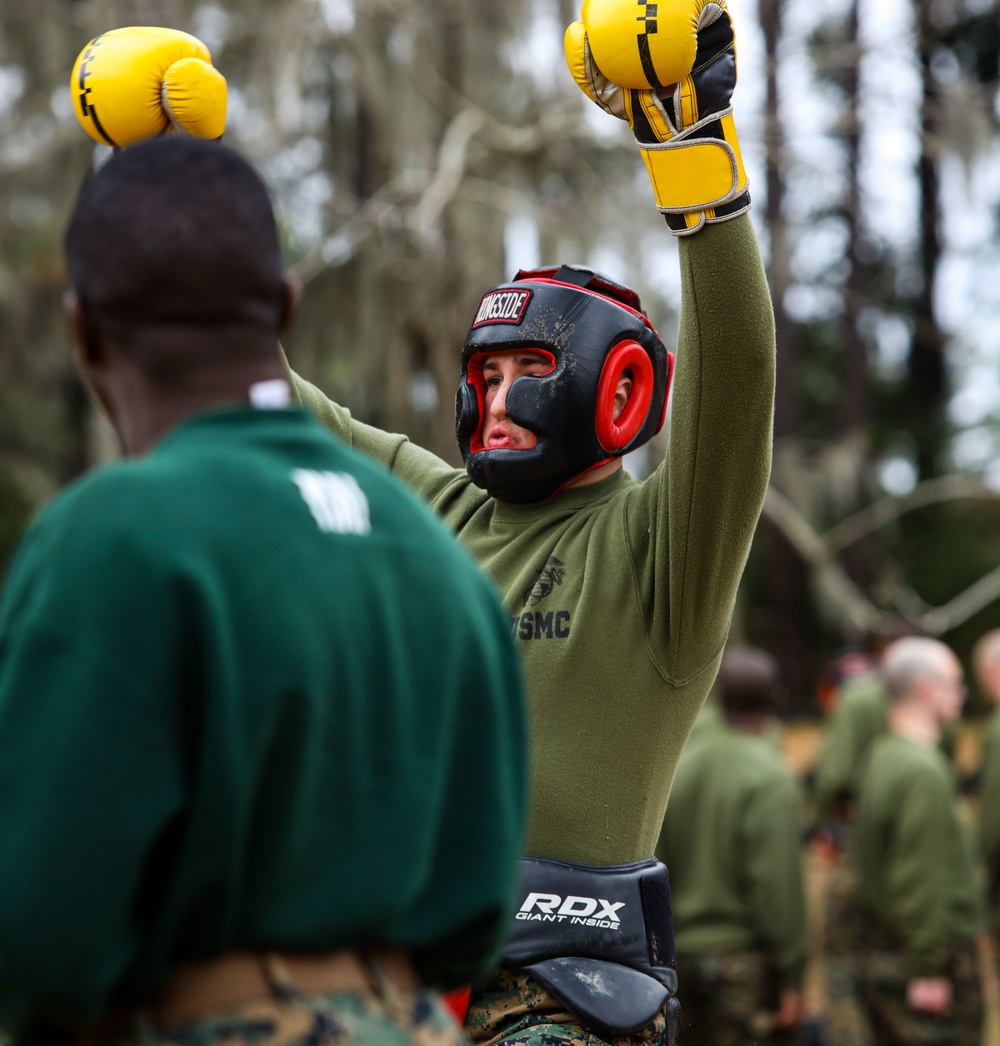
176 232
748 682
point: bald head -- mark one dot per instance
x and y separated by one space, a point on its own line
915 662
176 234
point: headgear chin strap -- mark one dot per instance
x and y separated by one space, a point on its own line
594 330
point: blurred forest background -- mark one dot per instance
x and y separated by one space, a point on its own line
420 151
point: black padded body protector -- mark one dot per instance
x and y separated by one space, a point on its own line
600 939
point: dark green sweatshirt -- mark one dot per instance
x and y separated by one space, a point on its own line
732 839
916 863
252 696
861 716
620 594
989 806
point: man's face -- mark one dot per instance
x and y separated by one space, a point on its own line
500 369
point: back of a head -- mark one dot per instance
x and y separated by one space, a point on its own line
986 656
176 233
748 682
908 662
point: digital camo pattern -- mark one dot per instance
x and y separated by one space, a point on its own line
396 1018
513 1009
894 1023
729 999
866 978
845 1022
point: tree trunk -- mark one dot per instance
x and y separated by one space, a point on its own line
855 386
787 576
927 381
786 419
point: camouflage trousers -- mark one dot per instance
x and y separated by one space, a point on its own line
378 1017
513 1009
845 1019
883 993
866 980
729 999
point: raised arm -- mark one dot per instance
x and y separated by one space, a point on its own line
691 525
719 459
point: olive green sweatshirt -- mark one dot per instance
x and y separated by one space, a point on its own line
916 862
620 593
861 716
989 806
732 839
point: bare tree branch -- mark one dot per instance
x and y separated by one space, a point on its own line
829 576
441 188
819 553
977 596
886 510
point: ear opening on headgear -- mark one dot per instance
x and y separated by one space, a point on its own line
629 356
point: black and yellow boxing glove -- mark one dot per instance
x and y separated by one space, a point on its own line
140 81
669 70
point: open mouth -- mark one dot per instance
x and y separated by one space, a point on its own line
501 441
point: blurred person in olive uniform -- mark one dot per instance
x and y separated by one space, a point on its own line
859 717
861 714
733 838
919 903
986 666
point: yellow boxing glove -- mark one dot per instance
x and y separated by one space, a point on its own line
137 82
669 70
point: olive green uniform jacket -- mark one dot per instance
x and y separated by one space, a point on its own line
732 839
917 870
989 810
861 716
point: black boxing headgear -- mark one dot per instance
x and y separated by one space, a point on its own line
593 330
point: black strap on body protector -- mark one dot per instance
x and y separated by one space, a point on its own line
600 939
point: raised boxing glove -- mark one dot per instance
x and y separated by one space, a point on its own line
674 71
140 81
